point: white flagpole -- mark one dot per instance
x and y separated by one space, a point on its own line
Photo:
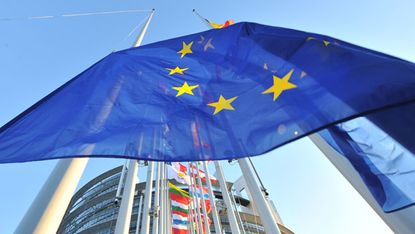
145 223
216 220
265 213
48 208
196 201
202 196
156 207
121 181
401 221
226 198
140 204
190 217
162 215
122 225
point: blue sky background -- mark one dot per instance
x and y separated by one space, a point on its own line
37 56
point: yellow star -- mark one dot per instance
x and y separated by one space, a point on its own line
280 84
222 104
185 88
176 70
186 49
326 43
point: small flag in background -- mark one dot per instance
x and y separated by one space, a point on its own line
178 172
224 25
202 174
180 201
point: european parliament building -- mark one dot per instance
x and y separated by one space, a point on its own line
93 208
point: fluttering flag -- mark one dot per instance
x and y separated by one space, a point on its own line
178 172
246 88
202 175
380 147
224 25
180 201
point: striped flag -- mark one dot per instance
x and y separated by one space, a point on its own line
202 174
178 172
180 201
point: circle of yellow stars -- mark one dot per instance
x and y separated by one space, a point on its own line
280 84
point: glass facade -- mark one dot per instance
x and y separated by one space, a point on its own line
93 209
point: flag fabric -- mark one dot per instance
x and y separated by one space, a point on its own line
224 25
180 201
178 172
381 149
246 88
202 175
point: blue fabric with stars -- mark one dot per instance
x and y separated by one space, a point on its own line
126 106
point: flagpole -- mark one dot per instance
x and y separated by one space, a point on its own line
401 221
195 200
122 225
261 203
48 208
156 209
202 196
124 214
121 181
145 222
216 220
162 214
140 204
226 198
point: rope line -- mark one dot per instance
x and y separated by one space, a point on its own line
41 17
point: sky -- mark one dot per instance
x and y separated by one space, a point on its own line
39 55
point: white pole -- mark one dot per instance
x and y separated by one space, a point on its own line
216 220
195 200
145 225
140 204
190 216
401 221
47 210
226 198
124 214
122 225
156 209
265 213
121 182
202 197
162 214
143 31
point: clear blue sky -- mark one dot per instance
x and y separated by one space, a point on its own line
37 56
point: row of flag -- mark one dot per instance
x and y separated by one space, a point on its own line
181 200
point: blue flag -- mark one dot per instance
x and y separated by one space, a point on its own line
381 149
220 94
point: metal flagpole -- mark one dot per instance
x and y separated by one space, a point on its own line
165 201
122 225
162 214
190 217
140 204
48 208
238 215
121 181
156 207
196 201
202 196
401 221
145 222
168 204
216 220
261 203
226 198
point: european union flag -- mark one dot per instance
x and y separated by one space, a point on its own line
381 147
220 94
